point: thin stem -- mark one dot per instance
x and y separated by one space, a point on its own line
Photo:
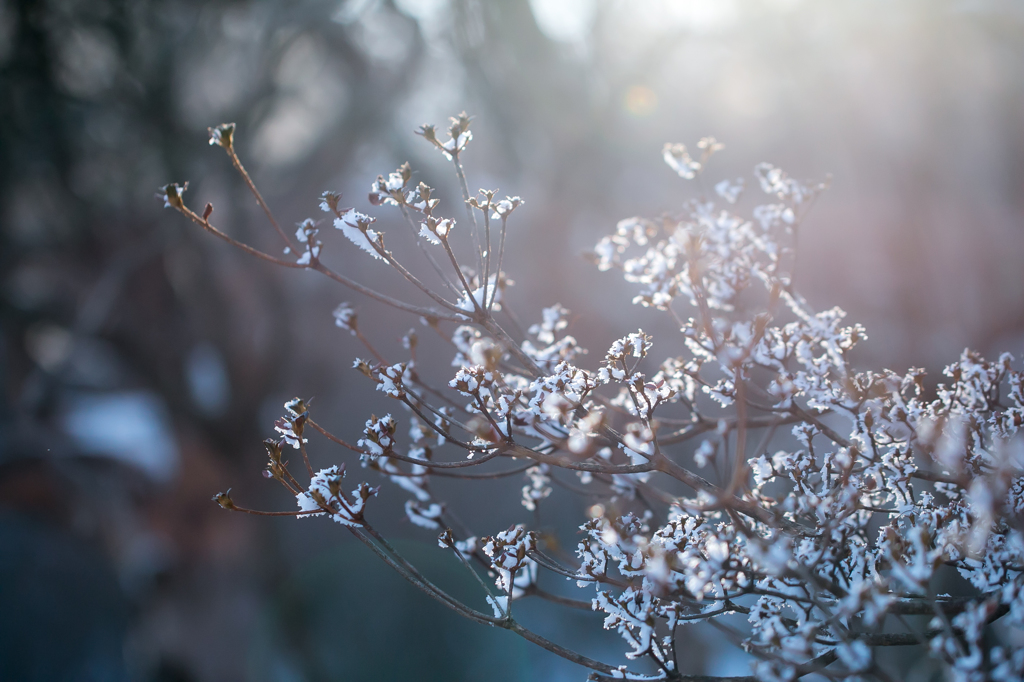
497 271
305 457
480 581
436 591
369 346
206 225
560 650
411 278
469 209
487 254
275 513
259 197
383 298
426 252
414 577
562 601
462 277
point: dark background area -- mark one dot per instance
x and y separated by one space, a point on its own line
143 362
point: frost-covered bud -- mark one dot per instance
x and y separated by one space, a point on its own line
389 380
306 235
469 380
223 135
678 159
296 407
171 195
446 540
273 450
484 201
636 345
428 132
508 549
224 500
364 492
464 547
459 124
379 435
334 484
363 367
325 496
420 200
305 231
346 318
435 230
329 202
503 209
391 190
318 497
617 358
458 134
291 428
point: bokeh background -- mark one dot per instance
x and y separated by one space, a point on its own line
143 362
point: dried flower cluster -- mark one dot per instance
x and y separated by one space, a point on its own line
752 479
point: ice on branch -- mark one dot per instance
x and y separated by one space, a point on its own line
356 228
324 496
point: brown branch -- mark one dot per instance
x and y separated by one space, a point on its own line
256 193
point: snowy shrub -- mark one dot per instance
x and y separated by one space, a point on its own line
749 477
